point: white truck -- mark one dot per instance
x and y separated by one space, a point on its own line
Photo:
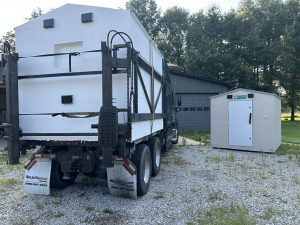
94 93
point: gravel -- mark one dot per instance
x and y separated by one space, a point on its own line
192 180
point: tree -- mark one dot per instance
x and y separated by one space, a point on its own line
172 38
34 14
148 14
204 48
10 35
290 59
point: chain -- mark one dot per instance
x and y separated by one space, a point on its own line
132 77
128 93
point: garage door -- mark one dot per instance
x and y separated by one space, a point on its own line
194 114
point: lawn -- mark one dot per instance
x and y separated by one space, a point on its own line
290 136
203 137
290 132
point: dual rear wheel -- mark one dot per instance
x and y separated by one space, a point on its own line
147 159
147 162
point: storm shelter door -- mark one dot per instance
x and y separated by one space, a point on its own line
240 123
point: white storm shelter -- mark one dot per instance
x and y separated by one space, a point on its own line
246 120
79 28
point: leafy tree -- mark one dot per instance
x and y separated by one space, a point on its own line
34 14
148 14
10 37
172 38
290 58
204 48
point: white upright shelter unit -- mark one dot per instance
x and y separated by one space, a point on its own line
246 120
78 28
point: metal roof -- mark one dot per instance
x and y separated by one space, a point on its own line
198 77
248 90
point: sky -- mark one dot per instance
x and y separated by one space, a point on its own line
14 12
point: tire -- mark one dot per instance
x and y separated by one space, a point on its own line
142 160
56 177
155 149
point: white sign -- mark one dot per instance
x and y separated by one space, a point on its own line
37 176
122 179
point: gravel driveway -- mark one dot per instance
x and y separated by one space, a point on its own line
194 182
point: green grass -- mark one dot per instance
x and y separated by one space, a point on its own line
214 159
269 213
285 149
8 182
296 179
203 137
159 195
108 211
180 161
290 132
226 215
89 208
230 158
39 206
216 196
3 159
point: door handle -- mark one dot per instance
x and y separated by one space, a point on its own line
250 118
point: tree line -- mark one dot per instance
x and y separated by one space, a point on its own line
256 46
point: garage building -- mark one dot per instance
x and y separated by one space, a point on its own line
195 92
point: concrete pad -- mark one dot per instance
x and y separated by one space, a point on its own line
187 141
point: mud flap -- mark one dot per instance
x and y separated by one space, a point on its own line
37 176
122 179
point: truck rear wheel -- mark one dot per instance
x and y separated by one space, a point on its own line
142 160
56 177
155 148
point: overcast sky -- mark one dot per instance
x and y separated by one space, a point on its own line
14 12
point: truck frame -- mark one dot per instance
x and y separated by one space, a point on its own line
114 145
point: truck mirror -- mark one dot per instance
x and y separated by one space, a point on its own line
178 100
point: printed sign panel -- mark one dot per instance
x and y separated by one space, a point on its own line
37 176
122 179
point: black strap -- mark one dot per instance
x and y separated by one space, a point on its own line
58 54
71 115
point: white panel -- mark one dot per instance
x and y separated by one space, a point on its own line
139 39
157 86
140 129
57 124
157 125
240 124
143 106
61 138
143 128
63 60
44 95
157 61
